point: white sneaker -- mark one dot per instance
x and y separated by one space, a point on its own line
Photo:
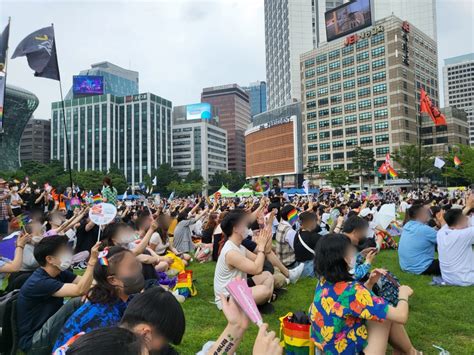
296 273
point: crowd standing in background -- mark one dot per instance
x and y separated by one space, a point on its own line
120 289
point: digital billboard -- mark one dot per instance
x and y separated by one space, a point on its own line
87 85
347 18
198 111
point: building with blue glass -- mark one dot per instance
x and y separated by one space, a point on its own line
19 107
257 92
117 80
130 132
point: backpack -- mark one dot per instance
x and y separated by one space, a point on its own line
387 288
8 321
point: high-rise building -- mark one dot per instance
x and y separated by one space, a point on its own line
130 132
257 92
35 142
364 90
117 80
458 81
274 145
233 108
293 27
18 108
198 142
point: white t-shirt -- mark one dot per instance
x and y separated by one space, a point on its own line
225 273
14 197
404 206
456 255
161 247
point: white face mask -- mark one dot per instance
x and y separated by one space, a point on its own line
66 261
35 240
15 188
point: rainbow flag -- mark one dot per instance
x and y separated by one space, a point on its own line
23 220
292 217
392 172
97 199
457 161
265 185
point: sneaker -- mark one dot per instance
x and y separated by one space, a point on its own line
296 273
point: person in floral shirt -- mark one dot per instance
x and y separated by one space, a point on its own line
346 317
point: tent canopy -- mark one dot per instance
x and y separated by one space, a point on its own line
225 192
245 191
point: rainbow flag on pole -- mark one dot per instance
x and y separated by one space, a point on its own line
97 199
457 161
392 172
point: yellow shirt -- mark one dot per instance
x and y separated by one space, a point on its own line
172 226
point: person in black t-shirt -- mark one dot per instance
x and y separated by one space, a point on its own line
305 242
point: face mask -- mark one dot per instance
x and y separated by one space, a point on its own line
15 188
133 284
352 264
66 261
36 240
37 191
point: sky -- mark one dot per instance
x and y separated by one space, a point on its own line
177 46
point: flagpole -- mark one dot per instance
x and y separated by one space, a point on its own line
64 113
419 153
5 77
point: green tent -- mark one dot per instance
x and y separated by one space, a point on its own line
225 192
246 191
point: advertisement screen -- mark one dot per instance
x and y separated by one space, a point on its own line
347 18
198 111
88 85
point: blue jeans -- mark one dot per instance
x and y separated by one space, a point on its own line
3 227
308 270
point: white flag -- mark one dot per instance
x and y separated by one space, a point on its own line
306 186
155 181
439 163
124 197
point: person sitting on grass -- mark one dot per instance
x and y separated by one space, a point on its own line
346 317
40 310
305 242
416 249
117 276
455 249
236 261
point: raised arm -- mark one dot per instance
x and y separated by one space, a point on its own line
140 248
15 264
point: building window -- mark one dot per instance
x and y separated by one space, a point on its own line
334 54
311 126
322 80
323 91
325 157
377 64
363 92
362 56
363 68
365 104
366 140
378 38
351 142
323 135
363 80
324 146
323 124
348 50
379 114
321 58
310 105
361 44
336 121
350 119
312 137
382 138
349 95
312 147
380 101
337 133
311 115
310 94
381 126
349 84
350 107
335 88
365 128
347 73
323 102
380 88
442 139
334 65
336 99
309 62
313 158
336 110
310 84
347 61
323 113
377 52
309 73
378 76
321 69
365 116
334 76
350 131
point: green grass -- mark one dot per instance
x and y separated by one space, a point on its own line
438 315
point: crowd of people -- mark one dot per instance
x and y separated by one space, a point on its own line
75 294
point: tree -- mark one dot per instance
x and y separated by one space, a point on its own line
165 174
194 176
363 163
232 180
185 188
311 169
408 157
337 178
465 171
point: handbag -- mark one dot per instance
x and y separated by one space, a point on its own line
185 286
295 336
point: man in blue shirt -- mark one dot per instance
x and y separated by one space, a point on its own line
416 250
40 310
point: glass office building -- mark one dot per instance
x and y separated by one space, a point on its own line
257 92
132 132
19 106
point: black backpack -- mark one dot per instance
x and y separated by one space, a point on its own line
8 329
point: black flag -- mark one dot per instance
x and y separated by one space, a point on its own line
40 50
4 46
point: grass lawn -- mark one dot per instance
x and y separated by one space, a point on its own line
438 315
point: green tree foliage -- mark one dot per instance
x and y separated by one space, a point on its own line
363 163
194 176
311 169
337 178
231 179
165 175
407 157
183 188
464 172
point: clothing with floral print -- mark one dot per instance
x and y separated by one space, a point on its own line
339 313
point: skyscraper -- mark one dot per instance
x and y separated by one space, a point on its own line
257 92
458 79
35 142
117 80
233 108
293 27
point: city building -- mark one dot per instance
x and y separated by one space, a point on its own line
18 108
293 27
274 146
458 81
198 142
132 133
117 80
364 90
35 142
233 108
438 139
257 92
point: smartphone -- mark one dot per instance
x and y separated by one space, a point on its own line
392 280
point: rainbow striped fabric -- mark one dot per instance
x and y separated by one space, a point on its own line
457 161
392 172
292 216
97 199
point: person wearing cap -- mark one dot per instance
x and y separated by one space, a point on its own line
368 215
4 207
